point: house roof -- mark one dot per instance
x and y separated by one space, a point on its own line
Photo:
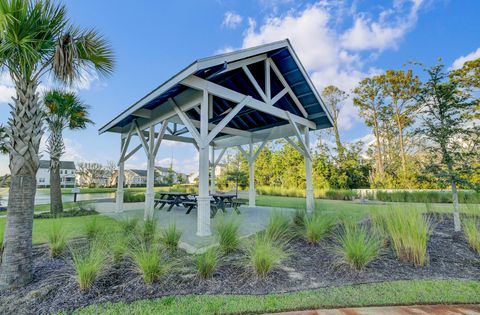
141 173
215 69
64 165
163 169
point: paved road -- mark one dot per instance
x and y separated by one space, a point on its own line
469 309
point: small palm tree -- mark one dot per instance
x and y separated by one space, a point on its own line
36 39
62 110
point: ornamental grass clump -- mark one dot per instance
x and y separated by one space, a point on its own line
57 240
299 217
317 226
150 263
264 255
279 226
170 236
227 231
88 262
408 231
118 246
149 230
129 226
207 263
472 232
357 246
93 229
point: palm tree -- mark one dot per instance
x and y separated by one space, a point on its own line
36 39
3 139
62 110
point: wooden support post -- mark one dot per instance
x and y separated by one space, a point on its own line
251 176
212 170
120 178
308 170
150 194
203 199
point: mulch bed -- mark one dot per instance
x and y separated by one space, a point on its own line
54 287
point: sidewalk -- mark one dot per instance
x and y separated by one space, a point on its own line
468 309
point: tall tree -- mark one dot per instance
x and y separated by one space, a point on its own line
401 87
368 98
36 39
333 98
62 110
446 124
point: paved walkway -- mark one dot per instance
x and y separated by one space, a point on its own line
469 309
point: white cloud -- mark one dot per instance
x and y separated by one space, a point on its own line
458 63
385 32
336 56
231 19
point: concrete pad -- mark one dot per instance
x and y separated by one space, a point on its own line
464 309
252 220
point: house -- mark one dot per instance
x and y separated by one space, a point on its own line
131 178
67 174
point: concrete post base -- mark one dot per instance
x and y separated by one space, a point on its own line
203 216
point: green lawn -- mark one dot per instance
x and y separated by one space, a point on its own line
74 226
385 293
66 205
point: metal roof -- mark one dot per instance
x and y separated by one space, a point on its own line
248 119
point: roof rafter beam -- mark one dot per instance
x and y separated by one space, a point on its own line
222 124
306 150
244 62
234 96
287 86
143 113
255 83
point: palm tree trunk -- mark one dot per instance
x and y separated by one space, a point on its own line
56 149
25 132
56 205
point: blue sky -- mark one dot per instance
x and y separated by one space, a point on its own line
338 42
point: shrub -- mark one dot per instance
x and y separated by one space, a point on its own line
227 230
427 196
88 262
129 196
341 194
206 263
57 239
170 236
278 227
76 212
408 231
264 255
149 262
317 226
472 233
357 247
93 229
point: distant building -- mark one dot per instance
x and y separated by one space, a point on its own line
134 177
67 174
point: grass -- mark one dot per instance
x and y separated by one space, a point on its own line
385 293
264 254
129 225
357 246
74 225
207 263
427 196
149 230
227 231
317 226
170 236
408 231
472 232
279 226
150 263
56 239
88 262
66 205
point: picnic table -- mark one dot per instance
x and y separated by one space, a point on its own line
172 199
223 200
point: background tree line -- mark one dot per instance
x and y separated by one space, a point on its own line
419 128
